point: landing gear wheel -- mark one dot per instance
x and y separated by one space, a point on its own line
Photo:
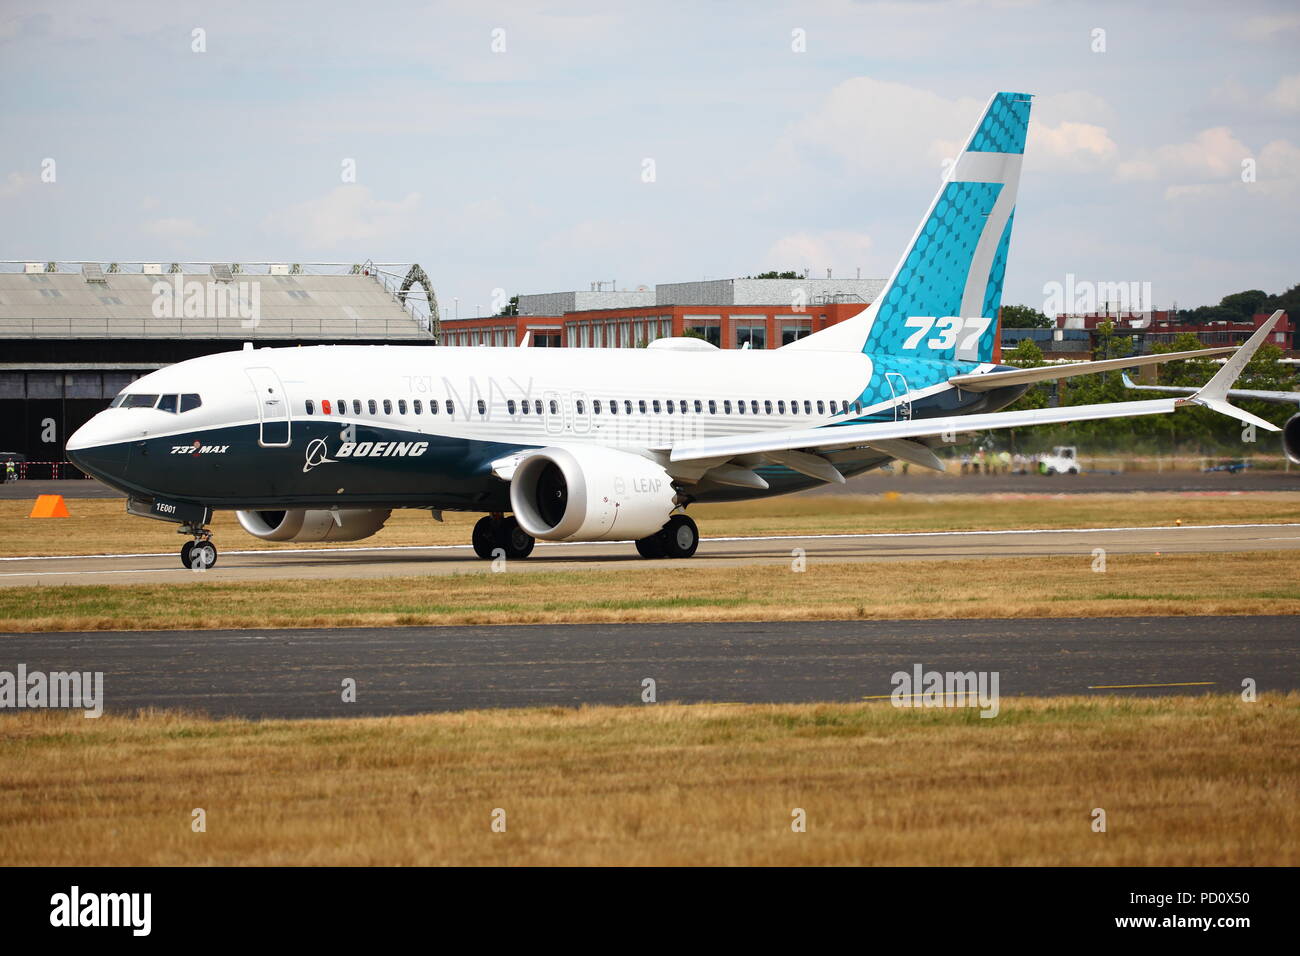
679 537
514 540
649 547
484 537
199 553
491 533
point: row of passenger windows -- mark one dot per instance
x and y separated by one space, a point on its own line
613 406
164 403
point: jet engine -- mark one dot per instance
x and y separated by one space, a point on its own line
590 493
326 524
1291 438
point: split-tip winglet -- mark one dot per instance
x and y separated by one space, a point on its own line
1214 393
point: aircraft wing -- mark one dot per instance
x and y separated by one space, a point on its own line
1258 394
801 448
987 381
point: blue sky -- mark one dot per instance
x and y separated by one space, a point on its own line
522 169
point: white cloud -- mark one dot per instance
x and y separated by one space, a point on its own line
1268 27
876 125
13 184
1286 95
843 251
1213 152
1070 146
346 214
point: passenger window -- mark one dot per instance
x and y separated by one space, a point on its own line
641 405
726 406
595 405
482 407
311 407
753 405
613 406
669 405
655 404
388 407
190 402
821 408
713 407
417 406
167 403
342 407
579 406
740 407
433 406
372 407
451 408
401 406
627 406
807 407
356 406
767 406
523 406
537 405
699 406
510 406
780 406
834 410
857 408
555 407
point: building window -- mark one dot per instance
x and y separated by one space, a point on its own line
794 329
707 327
751 329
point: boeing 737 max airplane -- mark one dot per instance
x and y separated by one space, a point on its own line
321 443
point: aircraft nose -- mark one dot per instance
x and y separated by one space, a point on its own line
98 449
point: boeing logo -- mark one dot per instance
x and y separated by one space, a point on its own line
317 453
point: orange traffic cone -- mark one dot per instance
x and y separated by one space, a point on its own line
50 506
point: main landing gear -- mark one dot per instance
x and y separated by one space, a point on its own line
677 539
200 553
500 532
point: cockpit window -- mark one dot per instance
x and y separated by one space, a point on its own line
190 402
140 401
167 404
117 400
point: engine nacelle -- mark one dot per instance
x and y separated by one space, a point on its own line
325 524
590 494
1291 438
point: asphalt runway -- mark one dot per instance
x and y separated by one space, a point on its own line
362 562
915 482
409 670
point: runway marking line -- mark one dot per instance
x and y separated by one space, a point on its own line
770 537
1190 683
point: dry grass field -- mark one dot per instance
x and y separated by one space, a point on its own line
101 525
1183 781
1133 585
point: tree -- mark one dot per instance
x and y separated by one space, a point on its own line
1026 354
1245 304
511 307
1024 317
788 274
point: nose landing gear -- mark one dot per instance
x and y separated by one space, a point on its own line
497 531
201 553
